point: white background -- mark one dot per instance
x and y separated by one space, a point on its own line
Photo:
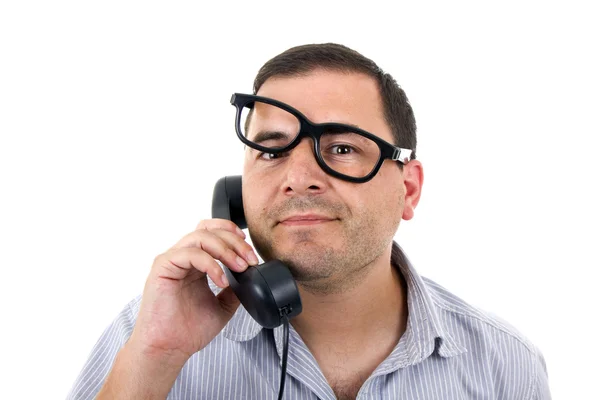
116 123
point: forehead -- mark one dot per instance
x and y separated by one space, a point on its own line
326 96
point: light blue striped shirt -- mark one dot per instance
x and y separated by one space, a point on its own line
450 350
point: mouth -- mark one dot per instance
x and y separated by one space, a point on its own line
306 220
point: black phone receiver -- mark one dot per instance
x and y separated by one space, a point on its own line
267 291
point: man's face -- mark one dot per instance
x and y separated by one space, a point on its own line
355 222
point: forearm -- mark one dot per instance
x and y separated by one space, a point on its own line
138 375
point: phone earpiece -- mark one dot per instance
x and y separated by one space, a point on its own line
227 200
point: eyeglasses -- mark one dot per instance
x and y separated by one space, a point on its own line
344 151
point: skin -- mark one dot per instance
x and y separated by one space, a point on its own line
354 301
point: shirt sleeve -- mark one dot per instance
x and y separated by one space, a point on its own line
541 389
100 361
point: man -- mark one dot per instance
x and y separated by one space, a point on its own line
327 204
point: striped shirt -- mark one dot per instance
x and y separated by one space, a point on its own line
450 350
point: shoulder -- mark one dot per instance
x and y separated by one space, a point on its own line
101 358
452 308
494 347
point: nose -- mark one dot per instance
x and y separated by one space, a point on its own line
303 176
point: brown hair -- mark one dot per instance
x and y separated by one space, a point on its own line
302 60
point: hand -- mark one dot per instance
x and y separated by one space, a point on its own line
179 314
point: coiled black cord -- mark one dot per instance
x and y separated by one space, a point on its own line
284 356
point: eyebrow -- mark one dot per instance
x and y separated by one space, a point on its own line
263 136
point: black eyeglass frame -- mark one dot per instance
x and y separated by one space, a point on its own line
315 131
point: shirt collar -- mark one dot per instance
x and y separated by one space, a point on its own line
242 326
425 331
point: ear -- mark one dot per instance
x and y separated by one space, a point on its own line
413 183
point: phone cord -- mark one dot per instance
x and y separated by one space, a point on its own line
286 336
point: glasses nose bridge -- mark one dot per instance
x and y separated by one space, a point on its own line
294 149
312 131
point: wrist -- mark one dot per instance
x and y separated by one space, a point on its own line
157 356
142 372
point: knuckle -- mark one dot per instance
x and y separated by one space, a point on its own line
217 224
201 224
245 248
158 259
233 256
211 244
216 269
198 258
222 252
187 252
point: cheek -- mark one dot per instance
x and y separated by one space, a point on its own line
388 192
383 205
256 199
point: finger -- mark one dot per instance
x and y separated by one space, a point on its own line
223 245
178 264
219 223
242 248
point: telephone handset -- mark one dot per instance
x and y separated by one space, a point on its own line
267 291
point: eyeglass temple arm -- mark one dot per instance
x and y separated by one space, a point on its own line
402 154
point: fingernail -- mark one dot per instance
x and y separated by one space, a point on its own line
241 233
224 280
252 260
240 261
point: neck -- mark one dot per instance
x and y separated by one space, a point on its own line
371 312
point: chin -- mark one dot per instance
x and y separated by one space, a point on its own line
306 272
309 261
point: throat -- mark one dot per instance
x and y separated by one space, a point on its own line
351 334
376 309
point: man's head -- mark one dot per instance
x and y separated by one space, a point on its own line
330 83
302 60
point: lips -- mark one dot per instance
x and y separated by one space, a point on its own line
306 219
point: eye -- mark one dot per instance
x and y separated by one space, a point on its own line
269 156
341 149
